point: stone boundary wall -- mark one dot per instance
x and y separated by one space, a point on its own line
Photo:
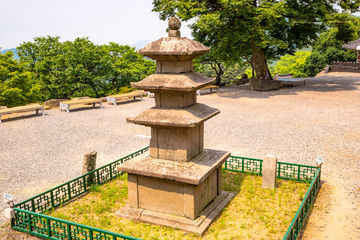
345 67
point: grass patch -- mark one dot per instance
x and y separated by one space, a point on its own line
254 213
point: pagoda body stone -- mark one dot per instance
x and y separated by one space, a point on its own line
179 184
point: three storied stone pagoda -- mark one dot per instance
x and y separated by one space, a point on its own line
180 183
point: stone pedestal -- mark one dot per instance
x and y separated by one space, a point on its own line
174 193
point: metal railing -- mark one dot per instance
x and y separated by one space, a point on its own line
29 217
54 228
301 214
283 170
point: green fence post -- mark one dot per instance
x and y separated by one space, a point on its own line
69 190
69 231
29 223
48 227
52 199
33 205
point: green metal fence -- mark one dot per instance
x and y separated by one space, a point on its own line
75 187
284 170
29 217
294 229
54 228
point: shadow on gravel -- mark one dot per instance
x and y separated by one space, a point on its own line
319 84
10 118
79 109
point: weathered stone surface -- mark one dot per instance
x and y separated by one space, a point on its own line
174 23
263 85
174 49
175 117
89 162
175 100
53 103
174 66
269 171
197 226
191 172
168 143
184 82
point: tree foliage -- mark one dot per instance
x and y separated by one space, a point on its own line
81 68
293 64
327 47
253 31
17 85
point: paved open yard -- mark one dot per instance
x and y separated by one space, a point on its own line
296 125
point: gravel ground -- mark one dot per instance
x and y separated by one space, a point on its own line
295 124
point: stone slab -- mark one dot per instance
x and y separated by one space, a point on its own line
190 116
189 81
264 85
197 226
193 172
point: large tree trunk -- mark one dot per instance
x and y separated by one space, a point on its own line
218 70
259 63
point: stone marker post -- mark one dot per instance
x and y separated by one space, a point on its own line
269 171
89 164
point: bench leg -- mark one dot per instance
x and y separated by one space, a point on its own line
37 111
101 104
43 113
198 92
93 104
61 106
67 107
142 97
114 101
0 117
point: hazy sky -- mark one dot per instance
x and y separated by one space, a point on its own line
103 21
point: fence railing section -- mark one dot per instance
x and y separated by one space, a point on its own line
300 216
54 228
74 188
29 219
283 170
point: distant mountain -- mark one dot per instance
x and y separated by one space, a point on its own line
140 44
16 56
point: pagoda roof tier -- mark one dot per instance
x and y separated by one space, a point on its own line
189 81
193 172
167 48
190 116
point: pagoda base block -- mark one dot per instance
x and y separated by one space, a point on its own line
197 226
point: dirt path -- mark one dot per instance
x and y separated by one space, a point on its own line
333 216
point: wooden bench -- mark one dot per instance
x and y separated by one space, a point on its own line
29 107
66 104
211 87
114 98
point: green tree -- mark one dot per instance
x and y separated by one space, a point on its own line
86 65
293 64
17 86
327 47
45 57
125 66
254 31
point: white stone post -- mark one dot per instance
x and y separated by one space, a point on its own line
269 171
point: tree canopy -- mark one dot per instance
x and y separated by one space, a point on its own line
17 84
80 67
256 31
328 47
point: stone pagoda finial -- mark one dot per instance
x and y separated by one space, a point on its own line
174 26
